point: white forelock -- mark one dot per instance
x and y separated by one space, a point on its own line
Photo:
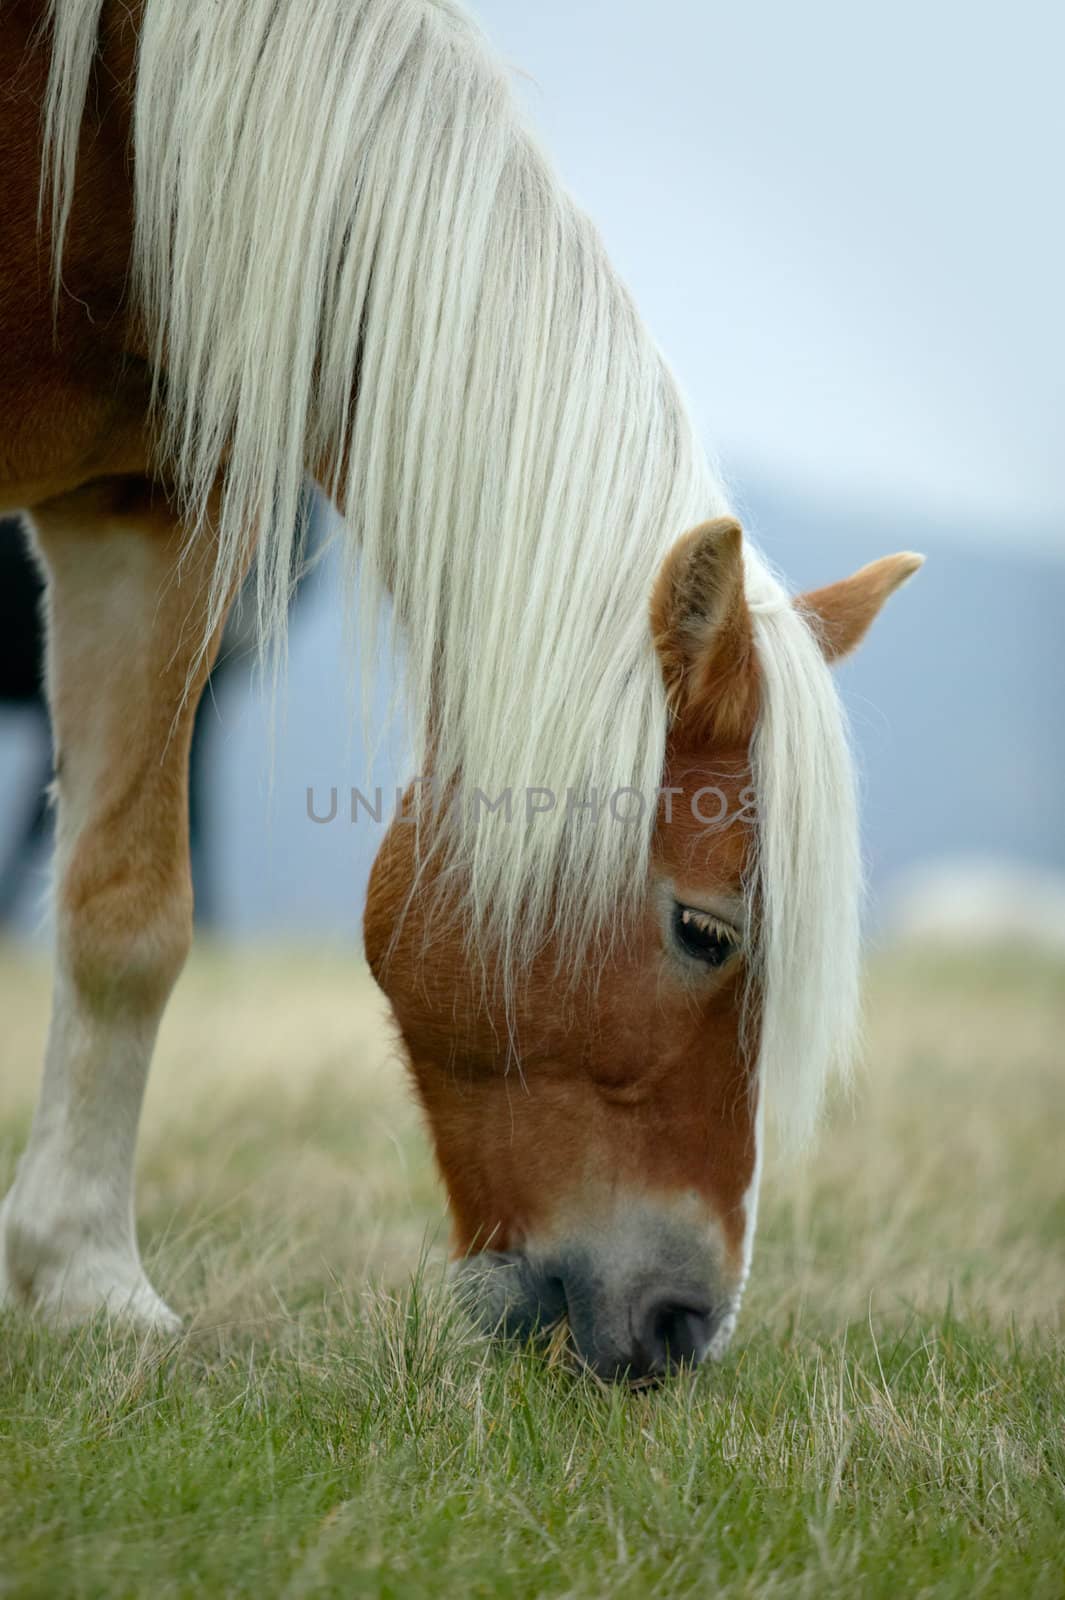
356 262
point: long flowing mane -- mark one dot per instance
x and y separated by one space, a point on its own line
355 261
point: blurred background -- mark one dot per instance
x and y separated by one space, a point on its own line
842 225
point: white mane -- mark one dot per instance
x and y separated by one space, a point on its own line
341 193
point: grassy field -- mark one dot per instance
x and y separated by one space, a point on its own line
890 1421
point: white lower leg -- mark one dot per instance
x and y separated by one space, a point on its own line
68 1243
124 676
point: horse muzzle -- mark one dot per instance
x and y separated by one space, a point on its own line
641 1299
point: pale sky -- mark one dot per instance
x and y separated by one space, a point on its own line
844 224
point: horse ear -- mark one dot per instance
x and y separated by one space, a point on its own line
702 632
842 613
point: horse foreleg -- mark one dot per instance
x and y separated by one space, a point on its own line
125 624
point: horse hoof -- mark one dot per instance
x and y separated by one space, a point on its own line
65 1284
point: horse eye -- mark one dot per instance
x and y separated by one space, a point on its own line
703 937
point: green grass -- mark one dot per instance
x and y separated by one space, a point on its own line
890 1421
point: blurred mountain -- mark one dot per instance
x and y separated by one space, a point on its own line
956 697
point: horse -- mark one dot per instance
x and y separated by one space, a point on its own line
618 920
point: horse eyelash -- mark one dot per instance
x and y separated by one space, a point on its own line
706 923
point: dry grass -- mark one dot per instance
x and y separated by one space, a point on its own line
890 1419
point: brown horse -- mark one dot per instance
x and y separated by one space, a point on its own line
253 243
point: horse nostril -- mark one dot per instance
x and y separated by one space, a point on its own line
669 1333
635 1327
